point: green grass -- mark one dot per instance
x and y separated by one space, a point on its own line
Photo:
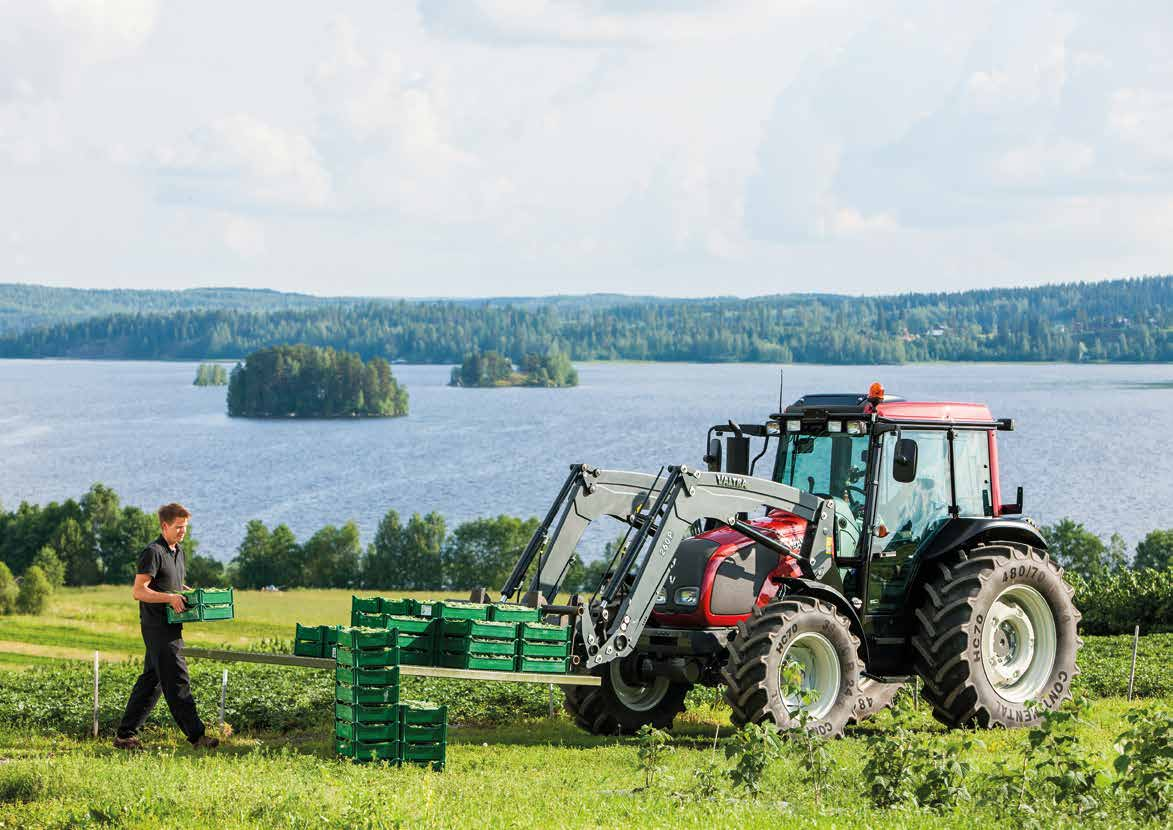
531 774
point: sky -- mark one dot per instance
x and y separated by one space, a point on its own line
534 147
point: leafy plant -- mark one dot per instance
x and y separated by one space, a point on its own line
1145 764
754 746
817 765
1055 776
654 747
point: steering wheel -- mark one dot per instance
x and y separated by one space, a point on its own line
857 507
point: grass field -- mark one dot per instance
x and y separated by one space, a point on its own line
507 765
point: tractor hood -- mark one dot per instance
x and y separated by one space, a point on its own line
717 577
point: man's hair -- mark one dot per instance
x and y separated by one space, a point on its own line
168 513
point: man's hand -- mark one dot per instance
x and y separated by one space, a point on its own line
178 603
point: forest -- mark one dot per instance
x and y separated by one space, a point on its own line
1121 320
309 382
489 369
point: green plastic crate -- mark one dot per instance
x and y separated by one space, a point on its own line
422 713
527 649
433 754
330 634
414 657
309 633
408 625
367 677
473 661
369 605
415 642
544 665
373 695
214 596
370 732
211 613
452 609
309 648
366 713
368 750
511 612
366 638
192 614
367 658
411 733
361 619
469 645
405 607
480 629
543 631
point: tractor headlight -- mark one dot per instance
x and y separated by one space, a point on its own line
856 427
834 426
687 596
661 598
794 425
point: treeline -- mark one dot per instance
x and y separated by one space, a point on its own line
313 382
552 369
1122 320
24 306
419 555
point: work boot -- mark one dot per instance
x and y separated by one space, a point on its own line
131 743
205 742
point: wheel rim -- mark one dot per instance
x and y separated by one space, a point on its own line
635 697
1019 643
818 662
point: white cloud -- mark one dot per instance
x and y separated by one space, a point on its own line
245 161
244 236
1143 119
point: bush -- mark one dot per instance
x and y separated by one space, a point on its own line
1115 603
1103 664
49 562
8 590
34 591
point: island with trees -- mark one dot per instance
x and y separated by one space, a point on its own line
311 382
211 374
491 369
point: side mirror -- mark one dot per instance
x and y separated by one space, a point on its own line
904 461
713 456
737 455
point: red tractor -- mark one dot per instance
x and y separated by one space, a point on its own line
878 548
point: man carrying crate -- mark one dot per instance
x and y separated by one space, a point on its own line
161 573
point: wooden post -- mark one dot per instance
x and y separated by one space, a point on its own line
1132 671
550 701
223 695
95 695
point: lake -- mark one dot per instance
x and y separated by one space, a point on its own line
143 429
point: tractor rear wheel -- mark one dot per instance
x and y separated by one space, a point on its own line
997 634
618 707
799 630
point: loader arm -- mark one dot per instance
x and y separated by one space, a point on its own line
685 497
587 495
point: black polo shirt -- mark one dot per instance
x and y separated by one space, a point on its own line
168 573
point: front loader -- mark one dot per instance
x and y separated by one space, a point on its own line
884 552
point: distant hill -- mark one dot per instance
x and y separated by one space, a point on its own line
28 306
1119 320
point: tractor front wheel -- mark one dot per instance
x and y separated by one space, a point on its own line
815 636
620 707
997 638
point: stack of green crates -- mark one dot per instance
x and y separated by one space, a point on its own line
423 733
542 647
366 695
372 612
416 638
204 605
477 644
315 640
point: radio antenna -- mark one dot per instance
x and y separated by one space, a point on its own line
781 380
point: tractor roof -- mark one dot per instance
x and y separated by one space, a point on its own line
891 407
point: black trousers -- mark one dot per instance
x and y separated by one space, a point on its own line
165 671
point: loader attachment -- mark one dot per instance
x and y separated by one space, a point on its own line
684 498
587 494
